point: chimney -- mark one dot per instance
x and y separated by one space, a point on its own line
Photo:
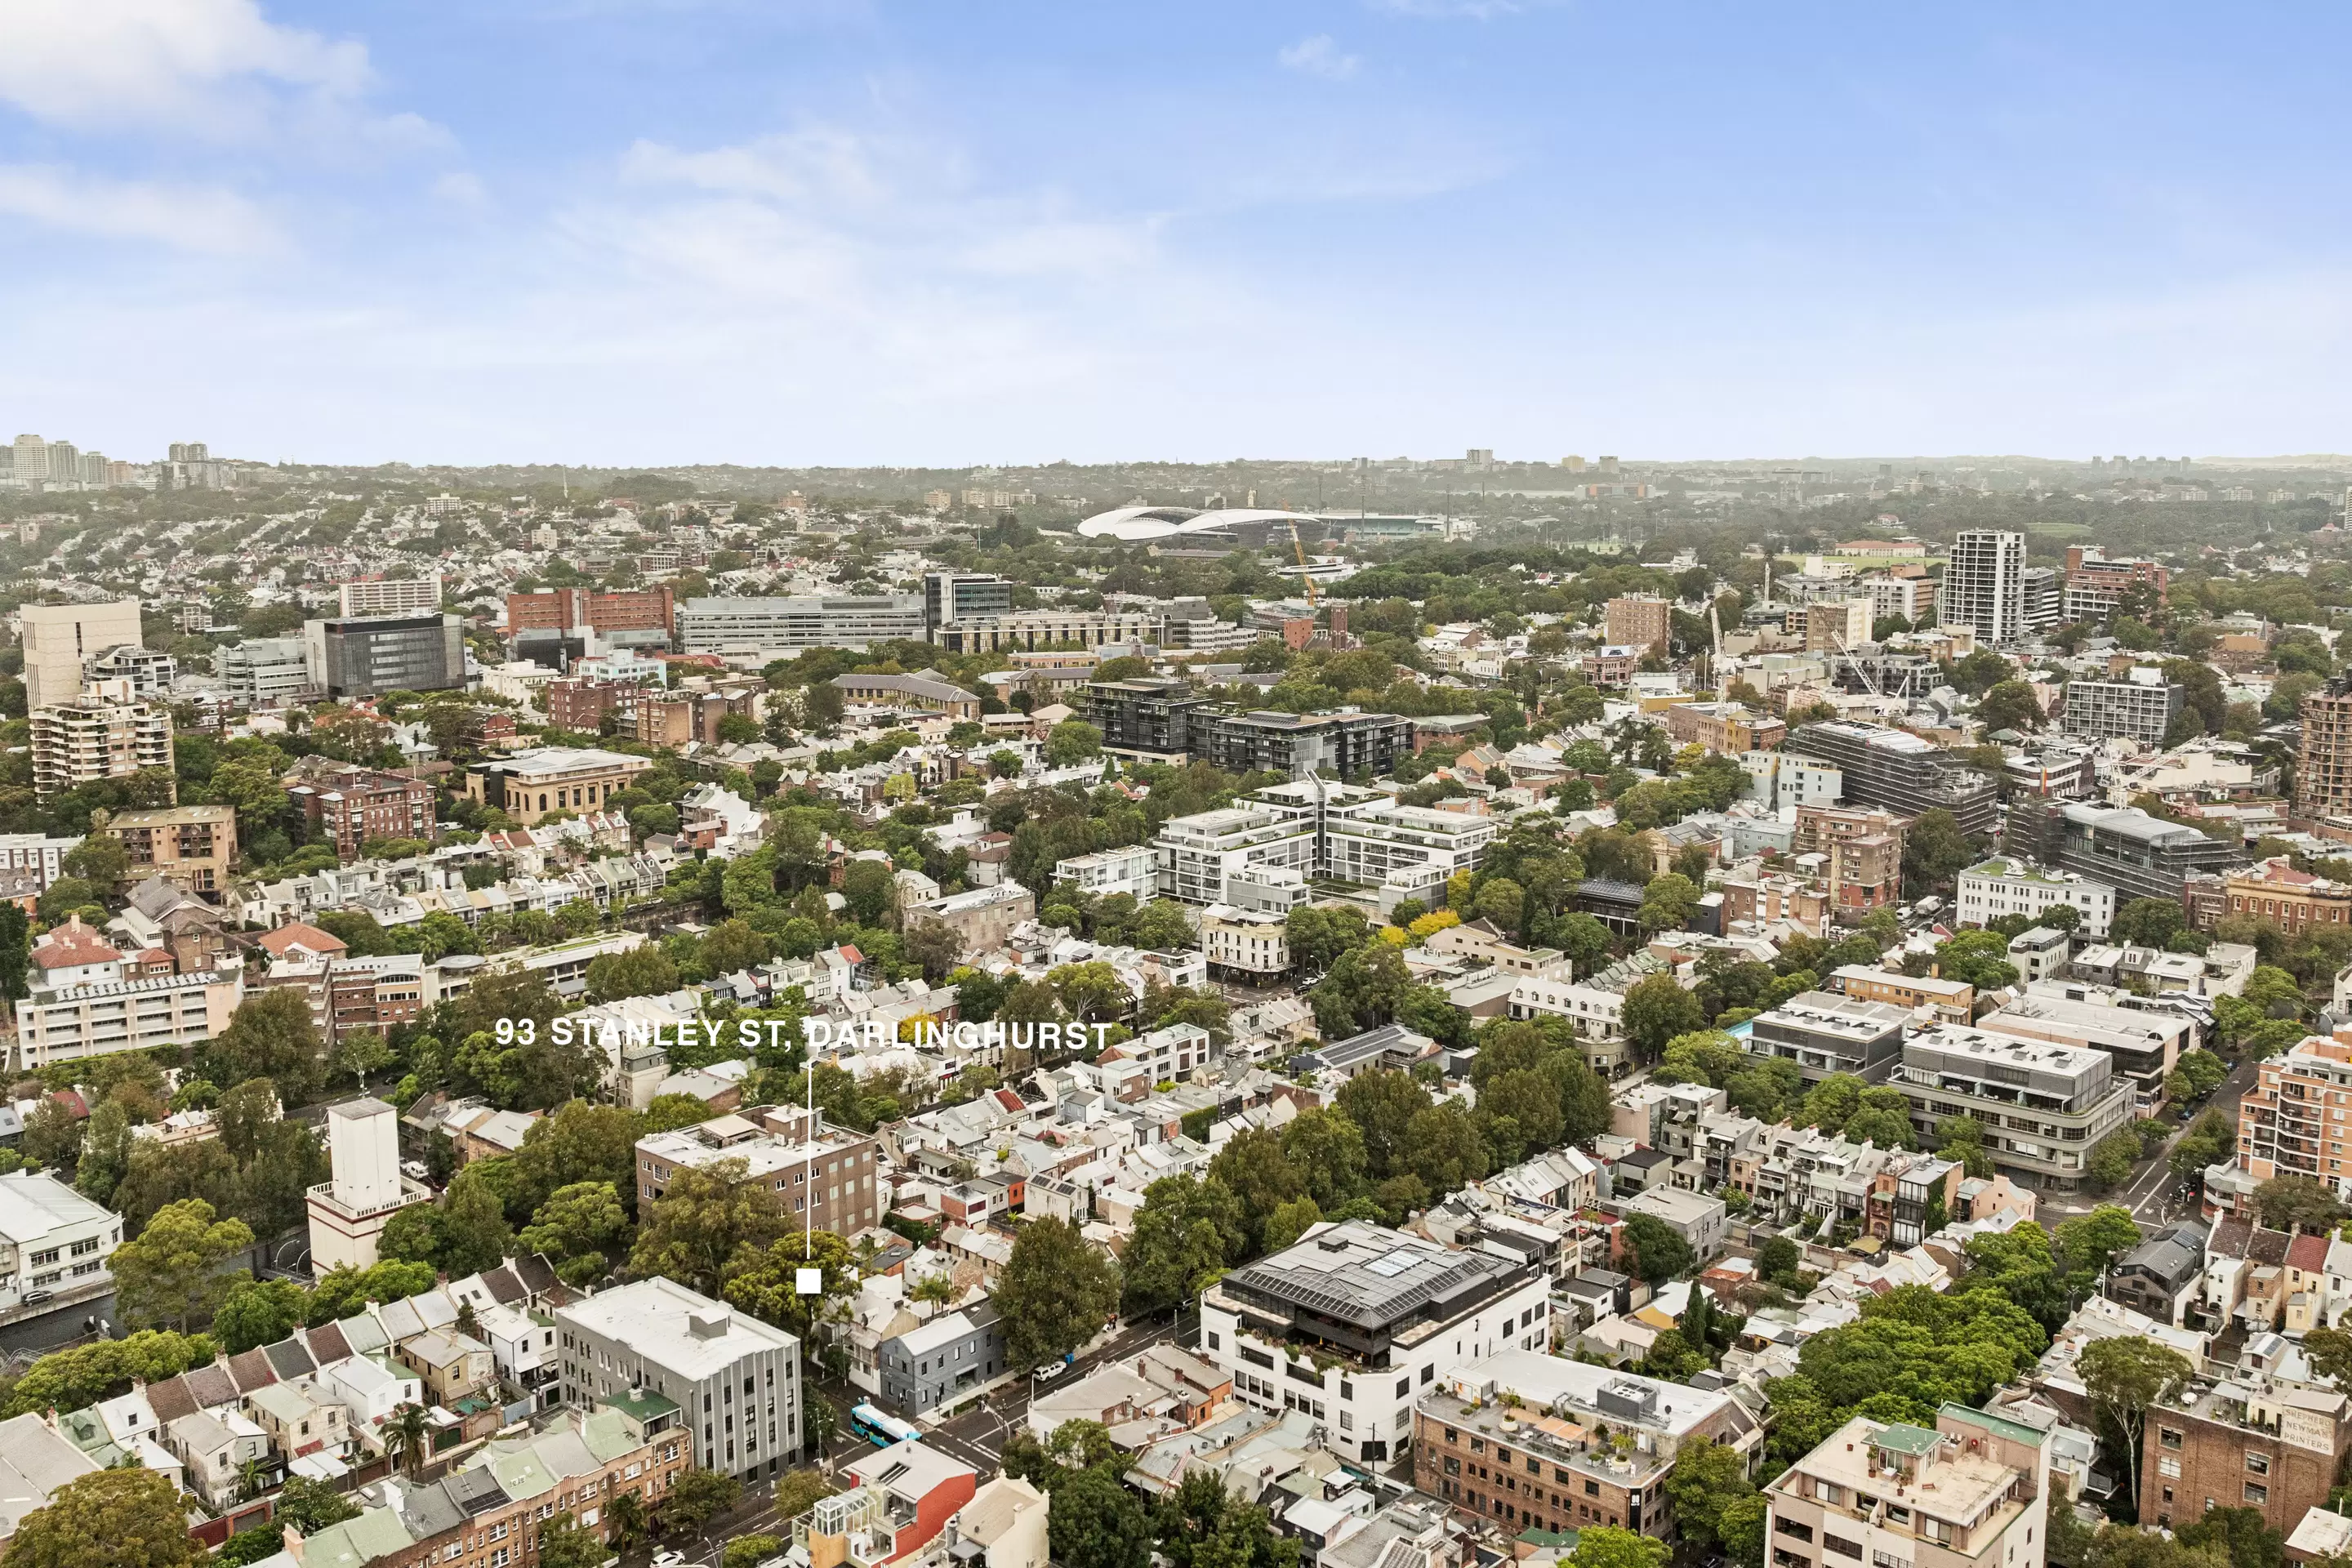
292 1540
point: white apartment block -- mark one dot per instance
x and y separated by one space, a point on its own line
51 1239
1910 597
1984 586
106 734
1972 1493
265 672
1354 1322
1194 855
42 856
1997 888
1131 869
1778 779
385 596
98 1016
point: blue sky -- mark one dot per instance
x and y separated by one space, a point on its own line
853 231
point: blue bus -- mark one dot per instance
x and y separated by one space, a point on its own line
879 1429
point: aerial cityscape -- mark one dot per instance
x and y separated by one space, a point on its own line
691 877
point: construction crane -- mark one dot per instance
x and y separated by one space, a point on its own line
1305 574
1715 659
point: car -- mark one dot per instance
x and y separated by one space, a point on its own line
669 1557
414 1168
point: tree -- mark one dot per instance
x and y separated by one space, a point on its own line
405 1431
1446 1150
2241 1532
1656 1010
1186 1232
84 1374
1162 926
1252 1167
1935 851
644 970
125 1518
1203 1526
1072 741
1363 989
751 1551
2123 1376
105 1152
269 1036
583 1228
696 1497
2286 1203
1056 1292
1095 1522
2009 706
2148 923
256 1312
767 1286
1328 1150
1740 1528
565 1542
52 1134
475 1234
1606 1546
935 946
170 1272
704 1214
1318 933
1657 1250
1706 1478
1668 902
579 1141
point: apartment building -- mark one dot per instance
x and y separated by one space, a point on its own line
1899 772
1196 854
36 856
81 1002
369 655
57 1241
2144 1043
1972 1493
59 638
1129 870
2139 855
1527 1440
1781 778
1355 1322
1954 1001
1301 744
1640 621
1995 889
106 732
391 596
686 717
734 1381
352 805
264 672
190 846
826 1182
1984 586
1728 727
924 691
2143 705
2097 583
2246 1440
530 784
1832 626
2273 893
149 673
2042 1105
1030 630
2323 774
2294 1120
943 1361
1245 943
1143 718
752 627
1909 597
546 625
1824 1034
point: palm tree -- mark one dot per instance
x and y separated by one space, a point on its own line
629 1520
403 1436
938 1289
249 1478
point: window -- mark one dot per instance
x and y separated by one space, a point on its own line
2169 1468
2260 1464
1793 1530
2168 1438
2257 1493
1842 1546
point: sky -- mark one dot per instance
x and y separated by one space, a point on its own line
959 232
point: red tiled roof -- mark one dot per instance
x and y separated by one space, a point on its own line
2308 1252
71 945
851 953
296 933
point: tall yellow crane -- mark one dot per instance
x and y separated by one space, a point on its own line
1305 575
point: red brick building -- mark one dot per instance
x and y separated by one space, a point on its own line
561 609
352 805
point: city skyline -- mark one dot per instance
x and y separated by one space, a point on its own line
858 234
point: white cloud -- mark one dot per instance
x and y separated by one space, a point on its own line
1318 56
460 189
213 65
215 221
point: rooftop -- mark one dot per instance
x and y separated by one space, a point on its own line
658 1319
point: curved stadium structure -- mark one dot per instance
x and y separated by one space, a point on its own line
1143 524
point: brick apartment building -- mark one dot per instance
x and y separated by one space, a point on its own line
190 846
835 1174
2244 1443
563 609
1639 620
352 805
683 717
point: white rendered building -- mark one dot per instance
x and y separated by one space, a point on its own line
349 1212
